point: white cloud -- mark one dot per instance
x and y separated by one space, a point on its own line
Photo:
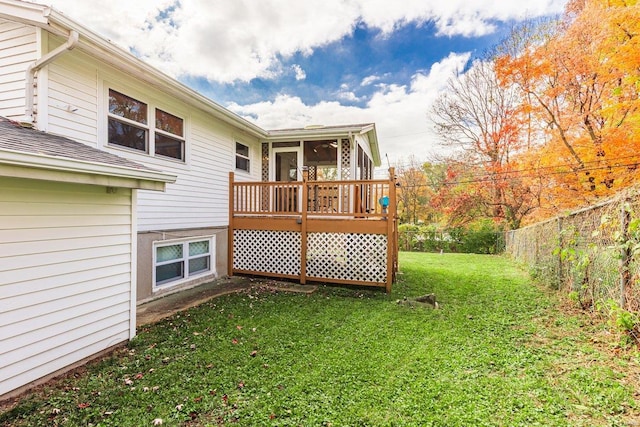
369 80
348 96
300 74
400 112
232 40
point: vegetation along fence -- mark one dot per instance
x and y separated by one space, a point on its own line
593 253
483 238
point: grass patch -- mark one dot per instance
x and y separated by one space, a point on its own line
496 353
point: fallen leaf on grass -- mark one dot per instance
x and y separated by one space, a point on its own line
83 405
157 422
254 353
234 341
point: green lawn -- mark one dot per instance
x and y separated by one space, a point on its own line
496 353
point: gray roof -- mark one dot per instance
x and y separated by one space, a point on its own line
15 137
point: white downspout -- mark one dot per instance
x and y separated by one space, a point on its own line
33 68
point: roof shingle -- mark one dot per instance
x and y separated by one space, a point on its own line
15 137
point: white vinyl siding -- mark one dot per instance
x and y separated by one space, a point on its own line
198 199
18 49
65 275
72 101
76 107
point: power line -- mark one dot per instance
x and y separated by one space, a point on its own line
574 169
490 178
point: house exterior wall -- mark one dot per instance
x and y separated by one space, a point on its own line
18 48
72 101
65 275
199 197
145 291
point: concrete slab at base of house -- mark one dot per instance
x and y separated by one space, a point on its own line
162 308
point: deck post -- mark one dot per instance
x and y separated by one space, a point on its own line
391 218
303 226
231 226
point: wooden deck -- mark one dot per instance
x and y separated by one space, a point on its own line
323 231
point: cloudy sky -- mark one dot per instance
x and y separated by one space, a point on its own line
292 63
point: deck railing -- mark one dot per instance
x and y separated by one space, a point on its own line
361 199
332 231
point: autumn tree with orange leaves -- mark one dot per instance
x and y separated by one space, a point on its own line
580 82
549 121
485 120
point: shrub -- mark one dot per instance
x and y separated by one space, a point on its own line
481 238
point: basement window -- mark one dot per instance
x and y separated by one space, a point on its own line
178 261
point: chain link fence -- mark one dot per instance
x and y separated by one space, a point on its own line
593 253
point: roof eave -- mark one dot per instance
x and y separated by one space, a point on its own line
321 132
26 13
124 176
330 132
373 143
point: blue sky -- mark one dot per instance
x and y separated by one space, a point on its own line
292 63
393 58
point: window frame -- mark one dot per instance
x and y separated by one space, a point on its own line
151 129
161 132
243 157
128 121
185 260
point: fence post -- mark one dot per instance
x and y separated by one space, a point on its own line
391 242
560 244
625 251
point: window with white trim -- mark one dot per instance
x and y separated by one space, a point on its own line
128 122
243 162
180 260
169 135
128 126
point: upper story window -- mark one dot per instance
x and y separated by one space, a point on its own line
128 124
242 157
169 135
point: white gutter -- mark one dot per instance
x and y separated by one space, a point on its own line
33 68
